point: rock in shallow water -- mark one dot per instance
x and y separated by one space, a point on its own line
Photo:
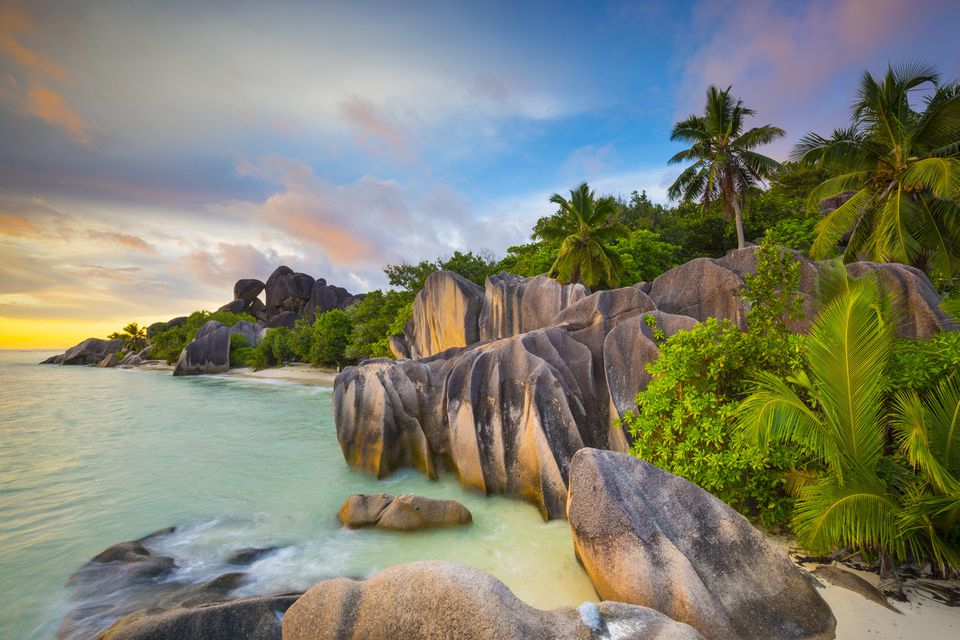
651 538
401 513
442 600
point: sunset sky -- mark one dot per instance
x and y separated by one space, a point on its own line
153 153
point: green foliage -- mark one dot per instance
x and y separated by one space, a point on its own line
644 256
280 345
684 421
531 259
898 497
585 229
472 266
685 417
134 337
330 336
374 320
920 364
168 344
793 233
903 168
725 164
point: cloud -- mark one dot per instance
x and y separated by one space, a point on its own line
368 122
795 63
48 105
14 225
125 240
15 23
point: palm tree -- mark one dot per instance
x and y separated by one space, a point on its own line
584 229
904 167
725 165
134 337
868 496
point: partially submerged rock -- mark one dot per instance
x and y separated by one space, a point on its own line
249 555
401 513
441 600
90 351
650 538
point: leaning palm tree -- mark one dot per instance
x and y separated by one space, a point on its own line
725 164
866 497
134 337
903 166
585 229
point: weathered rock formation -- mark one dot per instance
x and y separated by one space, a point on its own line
513 305
446 314
90 351
247 289
650 538
405 512
701 288
915 299
440 600
209 351
852 582
110 361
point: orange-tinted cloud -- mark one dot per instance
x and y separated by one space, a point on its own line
50 106
14 24
368 121
14 225
125 240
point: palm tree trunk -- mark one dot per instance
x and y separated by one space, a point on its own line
738 219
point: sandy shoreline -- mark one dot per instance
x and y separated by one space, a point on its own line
295 372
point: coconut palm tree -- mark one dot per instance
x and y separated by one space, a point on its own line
903 166
898 497
725 164
584 227
134 337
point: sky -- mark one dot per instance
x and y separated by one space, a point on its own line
153 153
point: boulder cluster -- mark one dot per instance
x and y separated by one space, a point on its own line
287 297
503 384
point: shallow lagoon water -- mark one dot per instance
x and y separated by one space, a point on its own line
91 457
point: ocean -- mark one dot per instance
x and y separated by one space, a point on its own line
91 457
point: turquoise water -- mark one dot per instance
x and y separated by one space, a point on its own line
91 457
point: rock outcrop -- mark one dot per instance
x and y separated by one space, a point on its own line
701 288
286 290
235 306
90 351
440 600
916 300
650 538
247 289
513 305
327 297
446 314
209 351
627 350
405 512
110 361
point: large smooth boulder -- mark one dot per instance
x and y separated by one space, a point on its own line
90 351
234 306
446 314
208 352
701 288
627 350
246 619
404 512
513 305
247 289
441 600
286 290
390 415
326 297
283 319
517 411
651 538
915 299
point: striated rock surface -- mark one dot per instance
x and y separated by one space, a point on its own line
390 415
286 290
446 314
90 351
701 288
209 351
648 537
405 512
915 299
513 305
627 350
111 360
325 297
442 600
517 410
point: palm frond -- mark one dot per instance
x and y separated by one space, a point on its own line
835 224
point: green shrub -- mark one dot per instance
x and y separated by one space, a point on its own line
168 344
921 364
277 347
330 337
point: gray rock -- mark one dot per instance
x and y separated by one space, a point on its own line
446 314
54 360
441 600
701 288
209 352
513 305
401 513
283 319
325 297
517 412
916 300
648 537
179 321
287 291
257 309
627 350
236 306
390 415
249 555
90 351
247 289
247 619
109 361
852 582
155 328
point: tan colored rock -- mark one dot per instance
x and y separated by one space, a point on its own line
110 360
852 582
404 512
651 538
915 299
443 600
446 314
701 289
513 305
